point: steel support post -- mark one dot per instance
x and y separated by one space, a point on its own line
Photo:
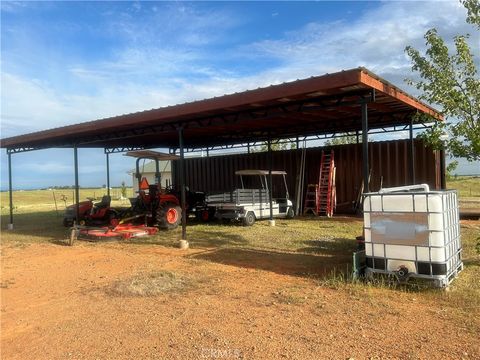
10 190
270 190
443 170
412 153
182 183
108 173
77 190
366 185
158 179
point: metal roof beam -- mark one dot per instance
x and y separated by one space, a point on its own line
22 149
113 150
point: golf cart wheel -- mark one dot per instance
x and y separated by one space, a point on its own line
249 219
169 216
67 222
290 213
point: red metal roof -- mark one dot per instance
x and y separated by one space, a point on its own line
317 105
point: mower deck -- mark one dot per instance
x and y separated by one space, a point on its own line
120 232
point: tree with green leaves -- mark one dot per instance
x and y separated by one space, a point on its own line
451 82
123 190
275 146
343 140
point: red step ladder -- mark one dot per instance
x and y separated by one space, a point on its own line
320 198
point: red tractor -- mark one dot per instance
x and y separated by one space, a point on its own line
160 207
153 206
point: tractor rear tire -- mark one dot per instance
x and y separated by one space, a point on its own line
169 216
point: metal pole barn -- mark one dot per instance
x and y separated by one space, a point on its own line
10 190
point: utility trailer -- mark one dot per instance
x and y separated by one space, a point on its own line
250 202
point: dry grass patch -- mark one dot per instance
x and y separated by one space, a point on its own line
152 284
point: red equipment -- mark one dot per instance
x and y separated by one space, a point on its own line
153 205
321 198
91 213
161 208
125 231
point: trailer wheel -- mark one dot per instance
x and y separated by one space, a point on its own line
169 216
249 219
290 213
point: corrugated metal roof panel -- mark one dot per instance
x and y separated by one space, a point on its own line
229 119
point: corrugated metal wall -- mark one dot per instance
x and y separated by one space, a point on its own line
389 162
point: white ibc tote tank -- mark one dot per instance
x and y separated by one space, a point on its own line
411 231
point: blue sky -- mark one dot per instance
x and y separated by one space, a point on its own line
67 62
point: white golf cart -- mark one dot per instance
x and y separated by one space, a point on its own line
250 202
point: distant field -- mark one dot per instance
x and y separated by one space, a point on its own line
467 187
43 200
25 201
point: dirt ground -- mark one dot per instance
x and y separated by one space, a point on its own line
77 302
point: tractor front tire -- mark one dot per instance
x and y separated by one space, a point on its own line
169 216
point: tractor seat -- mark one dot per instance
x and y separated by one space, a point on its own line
105 202
153 191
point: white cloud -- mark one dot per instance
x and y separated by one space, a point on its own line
171 59
376 40
12 6
146 74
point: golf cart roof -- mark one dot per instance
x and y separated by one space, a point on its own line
259 172
150 154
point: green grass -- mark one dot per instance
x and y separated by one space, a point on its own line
308 235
